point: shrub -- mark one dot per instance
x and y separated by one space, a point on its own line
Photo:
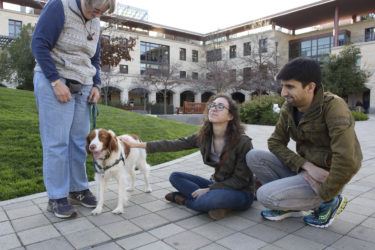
260 110
359 115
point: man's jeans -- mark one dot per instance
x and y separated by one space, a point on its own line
63 131
213 199
282 188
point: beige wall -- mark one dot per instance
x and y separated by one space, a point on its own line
5 15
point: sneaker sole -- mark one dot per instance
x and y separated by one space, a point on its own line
287 215
341 206
61 216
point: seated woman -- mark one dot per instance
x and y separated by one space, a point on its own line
223 145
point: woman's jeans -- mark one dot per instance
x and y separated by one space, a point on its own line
63 131
231 199
282 188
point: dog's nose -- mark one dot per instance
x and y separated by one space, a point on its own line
92 147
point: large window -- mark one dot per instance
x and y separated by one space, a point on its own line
154 57
14 28
182 74
123 68
233 51
246 74
263 45
247 49
370 34
194 75
182 54
194 55
213 55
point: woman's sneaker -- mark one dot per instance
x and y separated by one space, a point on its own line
61 208
326 213
84 198
276 215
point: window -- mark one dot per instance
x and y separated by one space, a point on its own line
194 75
232 51
182 74
246 73
154 58
209 76
232 75
194 55
370 34
247 49
14 28
123 68
182 54
263 45
213 55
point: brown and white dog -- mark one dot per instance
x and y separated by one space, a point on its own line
114 159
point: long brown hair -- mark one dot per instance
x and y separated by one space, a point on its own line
234 127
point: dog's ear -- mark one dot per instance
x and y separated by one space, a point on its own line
88 143
113 146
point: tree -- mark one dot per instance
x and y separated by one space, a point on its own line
112 51
17 60
342 75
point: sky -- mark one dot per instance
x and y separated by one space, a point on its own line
204 16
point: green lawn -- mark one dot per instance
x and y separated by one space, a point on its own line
21 149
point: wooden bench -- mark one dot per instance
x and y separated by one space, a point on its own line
192 108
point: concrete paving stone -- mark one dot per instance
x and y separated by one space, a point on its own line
252 214
6 228
105 218
38 234
265 233
363 233
19 204
159 245
134 212
74 226
351 217
368 195
364 202
239 241
110 195
213 246
51 217
272 247
174 213
369 222
3 216
213 231
137 240
19 248
120 229
59 243
236 223
157 205
166 231
25 223
153 179
19 212
341 226
358 187
349 243
112 204
194 221
160 194
108 246
39 200
9 241
165 184
187 240
142 198
288 225
257 205
294 242
358 209
87 238
149 221
318 235
351 193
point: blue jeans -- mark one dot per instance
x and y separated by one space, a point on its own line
63 131
231 199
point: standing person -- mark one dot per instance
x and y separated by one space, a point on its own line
66 46
223 146
328 152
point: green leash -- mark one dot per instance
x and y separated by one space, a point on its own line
94 112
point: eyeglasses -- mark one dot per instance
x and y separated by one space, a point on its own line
218 107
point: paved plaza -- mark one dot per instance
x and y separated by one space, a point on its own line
150 222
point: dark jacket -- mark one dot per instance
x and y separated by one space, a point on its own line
233 172
325 136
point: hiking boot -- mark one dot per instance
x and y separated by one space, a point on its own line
84 198
218 214
61 208
326 213
276 215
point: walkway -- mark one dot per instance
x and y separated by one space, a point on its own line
150 222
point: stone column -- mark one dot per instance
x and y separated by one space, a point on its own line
152 96
124 96
198 97
176 100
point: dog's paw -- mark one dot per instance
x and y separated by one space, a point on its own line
96 211
148 189
118 210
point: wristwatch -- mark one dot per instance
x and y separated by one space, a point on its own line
54 83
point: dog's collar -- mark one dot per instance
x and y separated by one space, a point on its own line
100 169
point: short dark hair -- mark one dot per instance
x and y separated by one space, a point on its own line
302 69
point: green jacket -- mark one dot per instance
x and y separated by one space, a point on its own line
233 172
325 136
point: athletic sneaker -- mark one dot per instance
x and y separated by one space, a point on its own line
275 215
61 208
326 213
84 198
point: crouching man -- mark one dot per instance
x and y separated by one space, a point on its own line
328 152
